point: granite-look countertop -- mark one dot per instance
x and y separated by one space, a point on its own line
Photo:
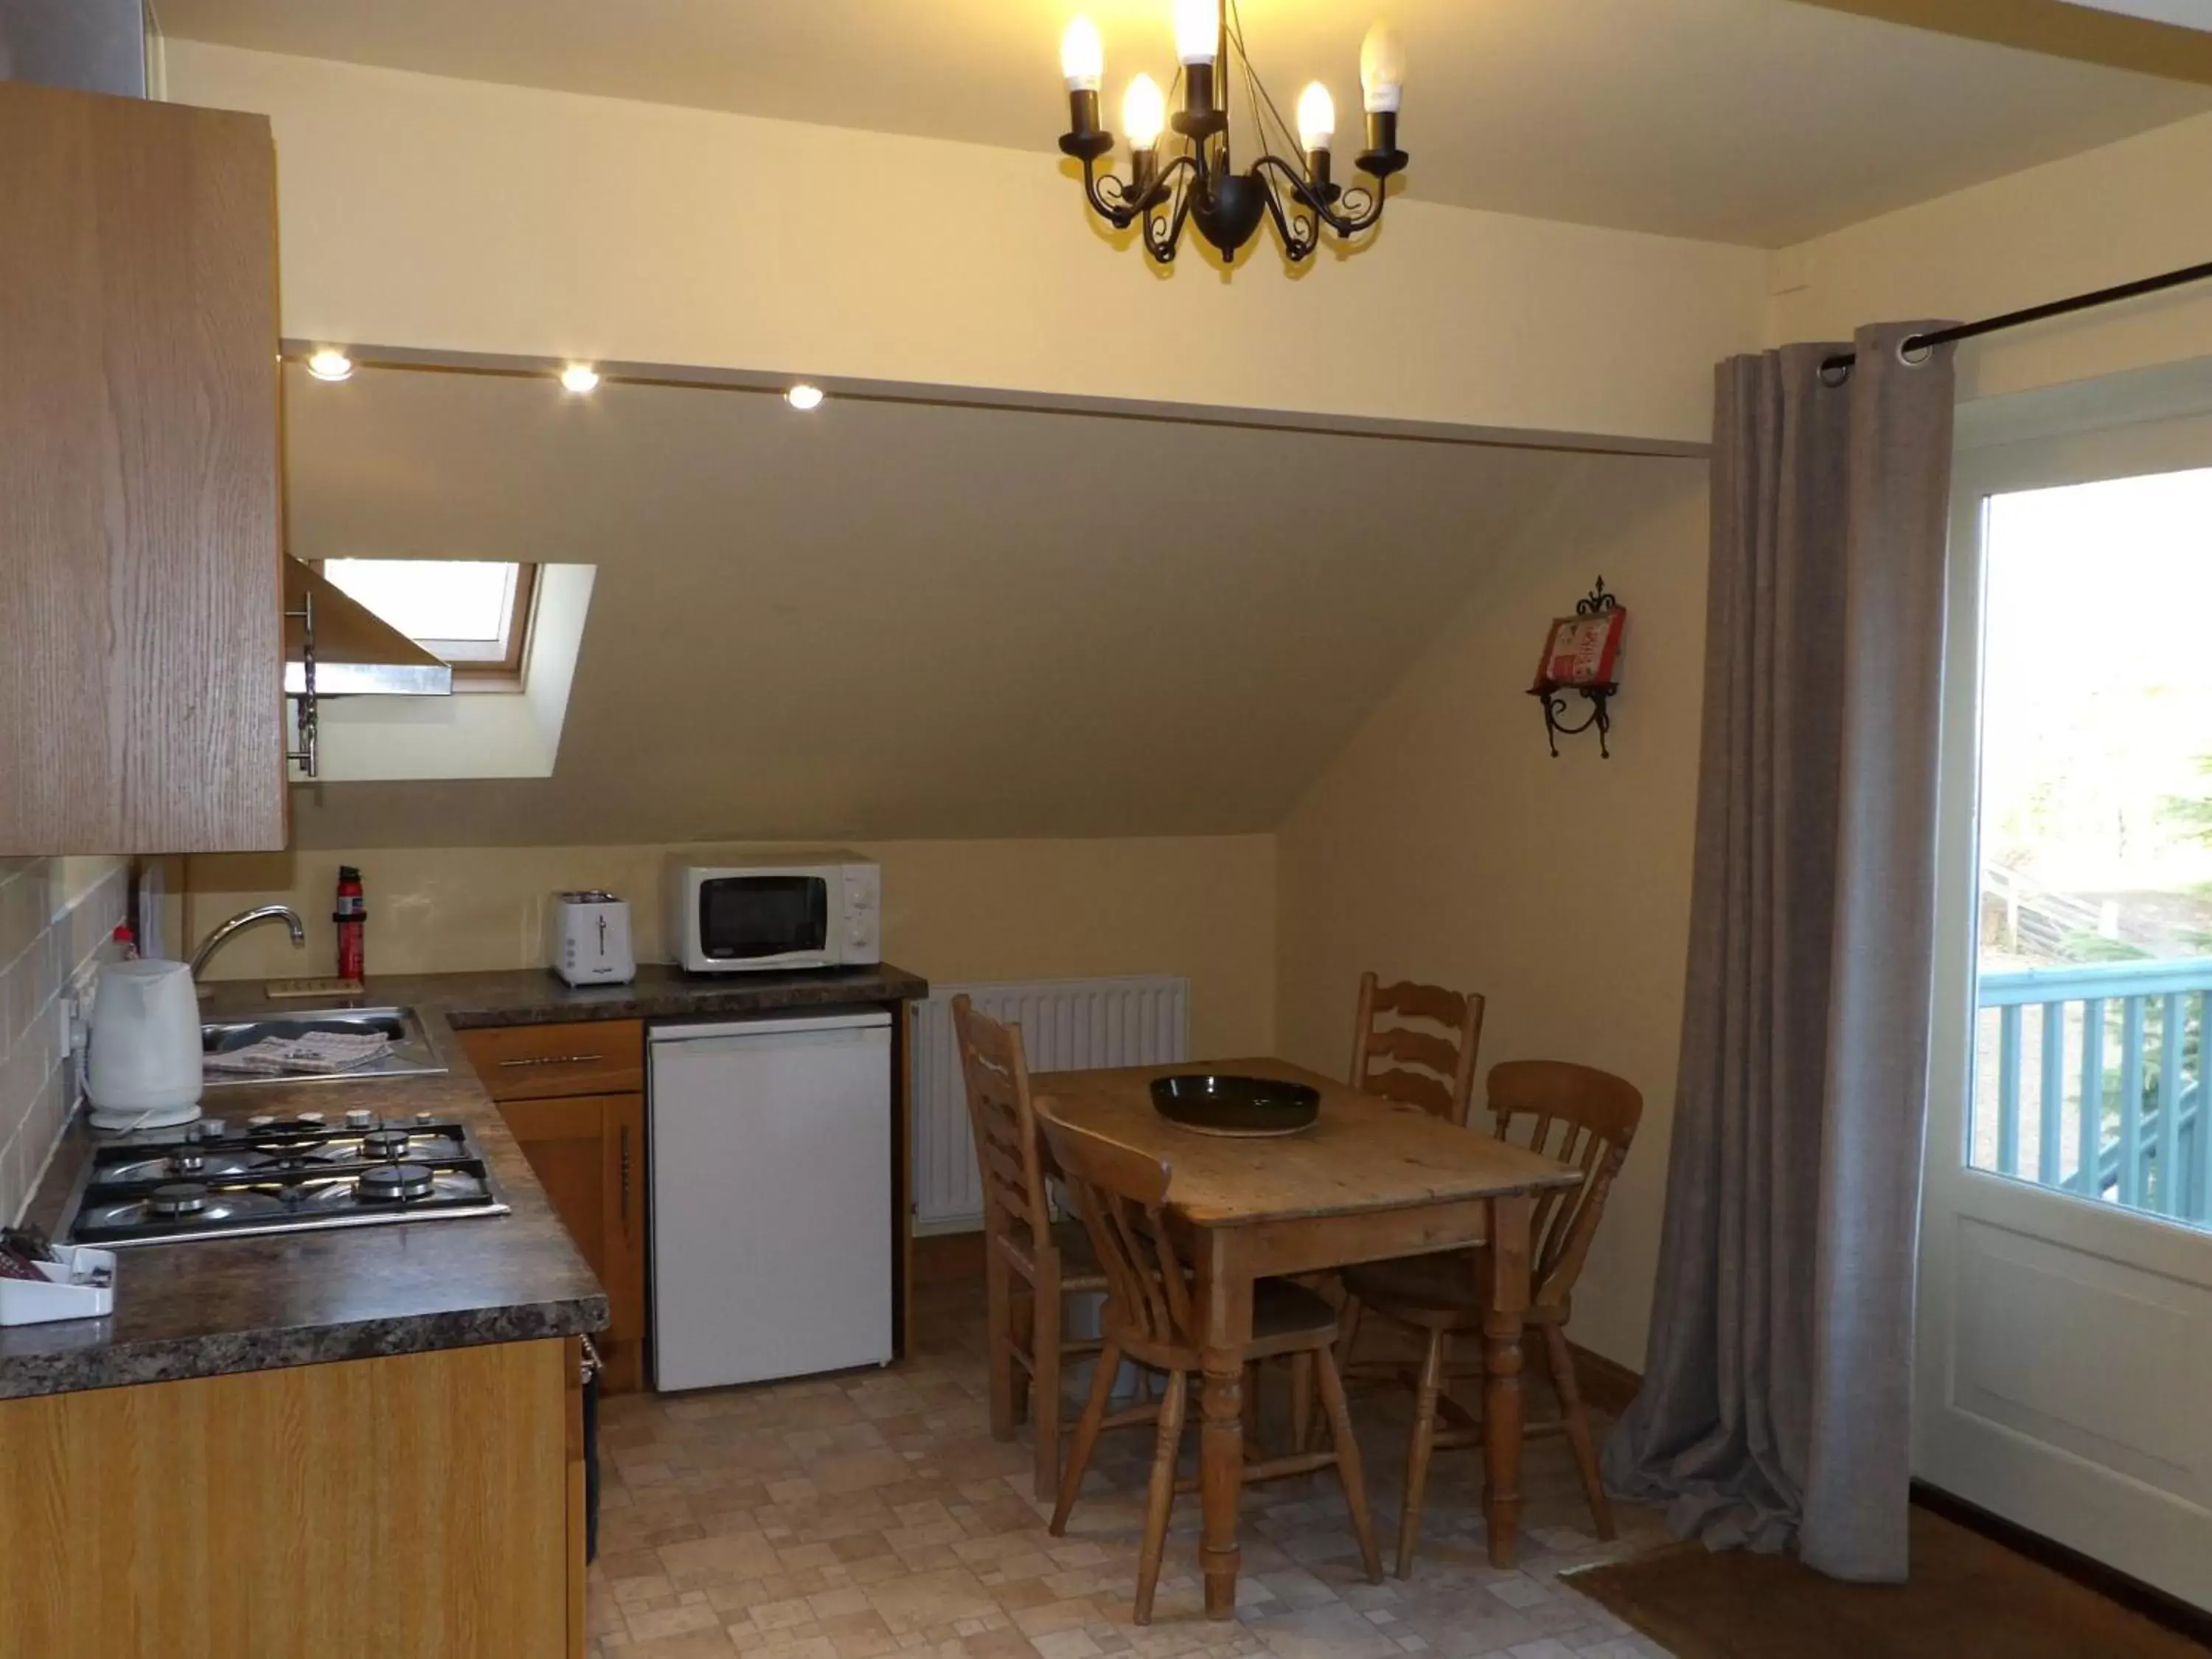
209 1307
532 996
206 1307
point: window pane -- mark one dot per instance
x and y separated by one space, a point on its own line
2095 944
432 598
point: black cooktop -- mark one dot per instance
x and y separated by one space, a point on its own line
228 1179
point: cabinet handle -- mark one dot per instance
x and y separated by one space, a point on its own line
309 726
625 1177
555 1060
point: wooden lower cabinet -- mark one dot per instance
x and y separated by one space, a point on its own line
588 1154
427 1505
572 1099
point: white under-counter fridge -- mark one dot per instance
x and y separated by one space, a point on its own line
770 1145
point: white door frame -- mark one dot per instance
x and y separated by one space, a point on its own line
2065 1345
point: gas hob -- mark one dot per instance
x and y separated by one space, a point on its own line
217 1179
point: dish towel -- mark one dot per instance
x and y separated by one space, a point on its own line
313 1053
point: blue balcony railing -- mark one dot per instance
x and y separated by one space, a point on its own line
2091 1080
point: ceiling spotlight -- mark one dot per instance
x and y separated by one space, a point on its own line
803 396
579 377
329 363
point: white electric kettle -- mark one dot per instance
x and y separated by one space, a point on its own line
143 1070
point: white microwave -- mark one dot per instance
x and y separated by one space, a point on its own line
741 909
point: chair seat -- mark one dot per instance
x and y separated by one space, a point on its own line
1079 1263
1443 1283
1286 1318
1283 1311
1431 1289
1422 1290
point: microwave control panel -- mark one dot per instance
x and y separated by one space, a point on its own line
863 928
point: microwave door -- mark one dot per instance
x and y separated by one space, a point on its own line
764 919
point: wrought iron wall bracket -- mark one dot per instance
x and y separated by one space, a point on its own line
1554 699
1551 694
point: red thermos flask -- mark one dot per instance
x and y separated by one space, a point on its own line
352 918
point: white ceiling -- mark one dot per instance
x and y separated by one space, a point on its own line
1754 121
888 621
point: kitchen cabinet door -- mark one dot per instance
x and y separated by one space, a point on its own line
141 643
412 1506
588 1154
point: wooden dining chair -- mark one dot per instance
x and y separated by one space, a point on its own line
1581 1116
1122 1194
1416 1045
1022 1241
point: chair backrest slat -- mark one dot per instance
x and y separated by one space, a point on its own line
1121 1195
1400 1060
1004 1122
1601 1112
1433 1095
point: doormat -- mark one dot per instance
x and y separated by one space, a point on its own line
1970 1598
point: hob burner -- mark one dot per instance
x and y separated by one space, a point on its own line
394 1183
178 1198
385 1144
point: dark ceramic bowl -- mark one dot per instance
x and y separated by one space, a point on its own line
1220 1105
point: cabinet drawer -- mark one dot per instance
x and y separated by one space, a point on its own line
536 1062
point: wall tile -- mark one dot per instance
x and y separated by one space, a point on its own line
48 937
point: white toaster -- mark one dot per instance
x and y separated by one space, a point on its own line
587 938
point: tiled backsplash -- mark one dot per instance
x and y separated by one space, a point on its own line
56 917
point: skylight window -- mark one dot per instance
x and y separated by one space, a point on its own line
473 613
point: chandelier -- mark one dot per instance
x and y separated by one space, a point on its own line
1201 184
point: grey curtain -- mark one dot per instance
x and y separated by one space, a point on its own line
1775 1410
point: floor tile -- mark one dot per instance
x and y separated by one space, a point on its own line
871 1516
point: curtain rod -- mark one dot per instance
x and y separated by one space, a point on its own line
2103 296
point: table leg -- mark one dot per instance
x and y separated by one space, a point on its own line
1504 1266
1225 1311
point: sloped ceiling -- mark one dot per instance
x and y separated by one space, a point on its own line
1755 121
885 619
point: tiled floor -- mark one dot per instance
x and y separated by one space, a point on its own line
872 1514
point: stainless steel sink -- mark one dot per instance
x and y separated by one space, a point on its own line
411 1054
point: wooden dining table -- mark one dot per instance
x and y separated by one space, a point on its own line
1371 1180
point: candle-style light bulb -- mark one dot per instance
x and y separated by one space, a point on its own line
1082 56
1144 112
1382 68
1197 31
1316 118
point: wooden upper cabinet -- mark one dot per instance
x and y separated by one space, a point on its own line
140 634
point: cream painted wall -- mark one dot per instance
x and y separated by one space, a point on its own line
953 911
428 212
1444 845
2108 216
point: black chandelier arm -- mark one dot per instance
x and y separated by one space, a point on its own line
1109 198
1357 210
1114 202
1163 235
1300 233
1360 208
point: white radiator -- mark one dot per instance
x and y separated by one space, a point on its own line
1066 1024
